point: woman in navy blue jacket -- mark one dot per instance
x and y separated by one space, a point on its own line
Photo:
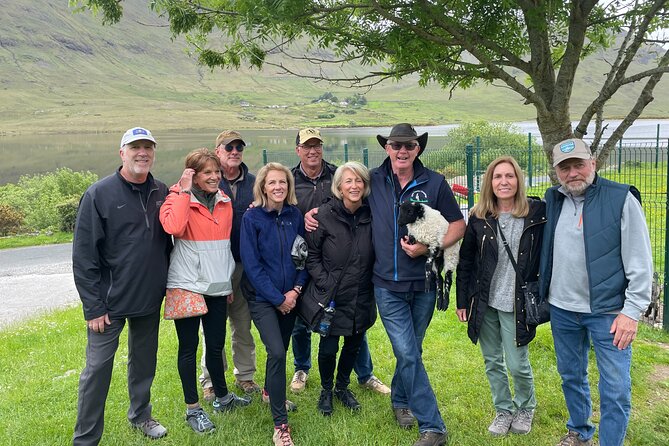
268 232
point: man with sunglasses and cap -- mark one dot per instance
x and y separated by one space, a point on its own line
313 187
237 183
399 273
596 271
120 256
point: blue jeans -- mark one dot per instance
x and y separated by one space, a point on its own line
406 317
572 333
301 342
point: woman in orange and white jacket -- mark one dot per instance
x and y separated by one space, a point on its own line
199 216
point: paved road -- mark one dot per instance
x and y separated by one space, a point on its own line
35 280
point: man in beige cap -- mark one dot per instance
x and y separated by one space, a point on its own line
596 271
237 183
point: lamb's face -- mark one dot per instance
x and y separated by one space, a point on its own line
410 212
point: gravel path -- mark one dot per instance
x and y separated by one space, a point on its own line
35 280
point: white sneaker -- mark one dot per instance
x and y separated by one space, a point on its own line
299 381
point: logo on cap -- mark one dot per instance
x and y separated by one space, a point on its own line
139 131
567 147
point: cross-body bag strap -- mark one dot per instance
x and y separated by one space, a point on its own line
519 279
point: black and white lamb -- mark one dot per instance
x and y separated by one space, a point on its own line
427 226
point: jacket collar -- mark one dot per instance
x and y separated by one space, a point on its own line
133 186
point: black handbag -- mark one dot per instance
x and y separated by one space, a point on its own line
311 309
537 311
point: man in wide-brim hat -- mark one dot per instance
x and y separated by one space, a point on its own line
399 273
404 133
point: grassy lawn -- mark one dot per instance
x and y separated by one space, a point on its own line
21 241
40 362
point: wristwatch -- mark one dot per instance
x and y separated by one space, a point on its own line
298 289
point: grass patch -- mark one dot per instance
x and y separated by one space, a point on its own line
40 362
21 241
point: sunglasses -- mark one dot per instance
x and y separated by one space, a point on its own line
398 145
238 147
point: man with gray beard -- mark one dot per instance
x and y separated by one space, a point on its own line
596 271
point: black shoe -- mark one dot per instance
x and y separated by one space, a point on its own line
325 402
347 399
230 402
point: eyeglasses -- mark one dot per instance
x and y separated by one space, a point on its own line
238 147
315 147
398 145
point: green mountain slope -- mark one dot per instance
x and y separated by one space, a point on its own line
63 72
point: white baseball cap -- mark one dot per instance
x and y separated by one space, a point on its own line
135 134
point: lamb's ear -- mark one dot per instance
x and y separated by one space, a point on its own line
420 210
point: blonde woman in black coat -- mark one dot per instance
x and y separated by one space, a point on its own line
341 257
488 295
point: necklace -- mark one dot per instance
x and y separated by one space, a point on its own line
504 219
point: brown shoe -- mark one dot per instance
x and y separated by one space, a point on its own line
573 439
248 387
431 439
282 436
404 417
375 384
208 394
299 381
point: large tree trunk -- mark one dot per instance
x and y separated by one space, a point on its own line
554 127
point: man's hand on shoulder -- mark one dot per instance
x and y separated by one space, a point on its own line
310 222
624 330
98 324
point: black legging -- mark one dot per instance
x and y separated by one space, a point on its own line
327 357
275 329
213 324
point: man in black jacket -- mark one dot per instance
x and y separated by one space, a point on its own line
313 183
120 257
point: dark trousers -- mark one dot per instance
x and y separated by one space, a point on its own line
275 329
95 379
327 359
213 325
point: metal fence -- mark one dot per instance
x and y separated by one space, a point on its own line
642 163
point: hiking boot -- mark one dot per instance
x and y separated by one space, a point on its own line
375 384
572 439
282 436
431 439
404 417
199 421
151 428
522 421
290 406
230 402
299 381
208 394
347 398
248 386
325 402
500 424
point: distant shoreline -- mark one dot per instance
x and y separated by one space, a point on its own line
436 128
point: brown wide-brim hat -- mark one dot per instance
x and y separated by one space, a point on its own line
404 132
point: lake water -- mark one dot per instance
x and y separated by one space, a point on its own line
31 154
